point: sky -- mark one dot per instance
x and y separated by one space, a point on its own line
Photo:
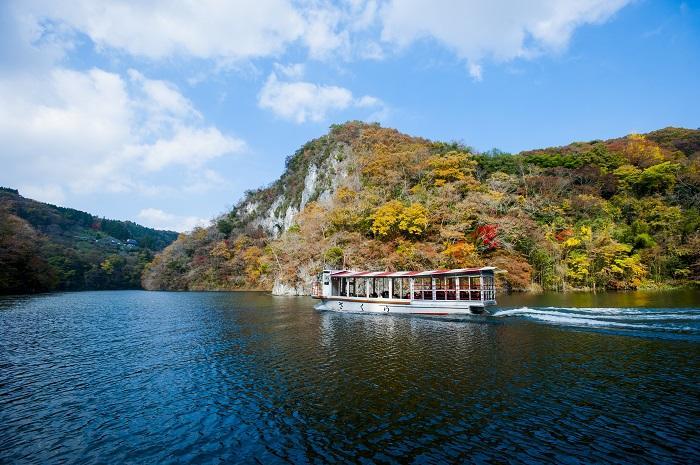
165 112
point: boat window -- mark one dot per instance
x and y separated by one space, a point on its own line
335 286
417 286
475 287
361 290
358 288
469 287
379 288
451 287
401 288
384 288
422 289
489 288
463 287
440 288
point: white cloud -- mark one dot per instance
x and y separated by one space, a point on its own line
368 101
475 71
161 97
370 51
305 101
363 14
233 32
27 44
291 71
188 146
156 218
94 131
50 193
224 31
164 28
323 35
204 181
500 29
59 127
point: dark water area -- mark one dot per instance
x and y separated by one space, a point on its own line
158 378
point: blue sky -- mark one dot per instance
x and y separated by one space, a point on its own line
165 112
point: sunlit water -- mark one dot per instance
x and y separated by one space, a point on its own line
139 377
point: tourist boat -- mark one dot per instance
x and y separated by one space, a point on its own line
436 292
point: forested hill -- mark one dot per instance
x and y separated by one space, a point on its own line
44 248
617 214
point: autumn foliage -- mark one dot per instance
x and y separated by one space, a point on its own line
617 214
487 236
45 248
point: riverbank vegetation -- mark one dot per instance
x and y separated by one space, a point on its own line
615 214
48 248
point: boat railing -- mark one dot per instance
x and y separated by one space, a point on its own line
471 295
454 294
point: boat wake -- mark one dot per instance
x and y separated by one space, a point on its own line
669 320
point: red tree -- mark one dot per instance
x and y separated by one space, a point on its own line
486 235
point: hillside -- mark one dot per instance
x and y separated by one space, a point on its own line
45 248
617 214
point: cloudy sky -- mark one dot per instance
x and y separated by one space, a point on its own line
165 111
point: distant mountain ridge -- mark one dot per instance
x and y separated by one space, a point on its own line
620 214
44 247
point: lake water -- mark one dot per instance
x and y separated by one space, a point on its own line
155 377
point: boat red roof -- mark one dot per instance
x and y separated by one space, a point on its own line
405 274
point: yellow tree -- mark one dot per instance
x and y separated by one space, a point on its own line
395 218
221 250
460 254
452 167
414 220
642 152
386 219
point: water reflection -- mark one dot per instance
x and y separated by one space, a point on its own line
244 377
633 299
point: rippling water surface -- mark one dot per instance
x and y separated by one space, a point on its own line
147 377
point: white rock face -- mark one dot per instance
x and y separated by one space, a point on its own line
335 168
309 185
269 221
285 289
303 286
289 217
250 208
320 183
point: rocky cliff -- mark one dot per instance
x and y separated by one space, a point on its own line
321 166
620 214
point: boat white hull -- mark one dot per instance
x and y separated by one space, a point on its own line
440 307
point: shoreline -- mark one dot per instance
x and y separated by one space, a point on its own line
650 289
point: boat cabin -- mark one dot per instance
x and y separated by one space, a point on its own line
463 284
